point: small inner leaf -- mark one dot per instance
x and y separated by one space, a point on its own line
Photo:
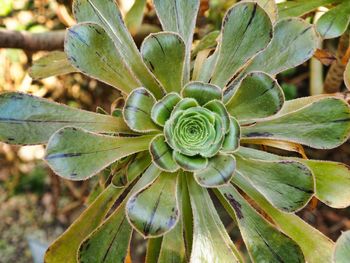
162 110
219 171
190 163
137 111
201 92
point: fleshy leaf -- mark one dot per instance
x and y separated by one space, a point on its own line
323 124
64 249
110 241
179 16
342 248
137 111
52 64
25 119
91 51
107 15
258 96
270 8
231 141
211 242
299 8
134 17
77 154
243 24
332 182
164 54
201 92
293 43
207 68
264 242
332 179
161 111
288 185
153 249
190 163
184 104
162 154
173 244
218 107
219 171
208 41
315 246
334 23
153 211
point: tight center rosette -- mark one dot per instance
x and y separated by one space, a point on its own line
196 133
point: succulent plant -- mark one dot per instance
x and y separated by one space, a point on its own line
188 128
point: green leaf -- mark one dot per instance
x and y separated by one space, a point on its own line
52 64
332 179
162 154
218 107
219 171
208 41
179 16
207 68
110 241
107 15
25 119
153 249
64 249
293 43
243 24
133 19
190 163
231 141
300 8
201 92
342 248
161 111
77 154
334 23
288 185
270 8
315 246
164 54
211 242
332 182
137 111
91 51
173 244
154 211
184 104
264 242
323 124
257 96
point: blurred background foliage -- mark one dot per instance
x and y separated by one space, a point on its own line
35 203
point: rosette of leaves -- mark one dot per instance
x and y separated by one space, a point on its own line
183 132
333 23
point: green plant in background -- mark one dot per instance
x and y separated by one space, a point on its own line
332 24
184 131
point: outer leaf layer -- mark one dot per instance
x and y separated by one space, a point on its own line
315 246
293 43
91 51
258 96
342 248
107 15
323 124
211 242
164 54
243 24
288 185
25 119
154 210
76 154
264 242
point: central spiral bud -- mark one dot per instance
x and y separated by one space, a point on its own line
194 131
